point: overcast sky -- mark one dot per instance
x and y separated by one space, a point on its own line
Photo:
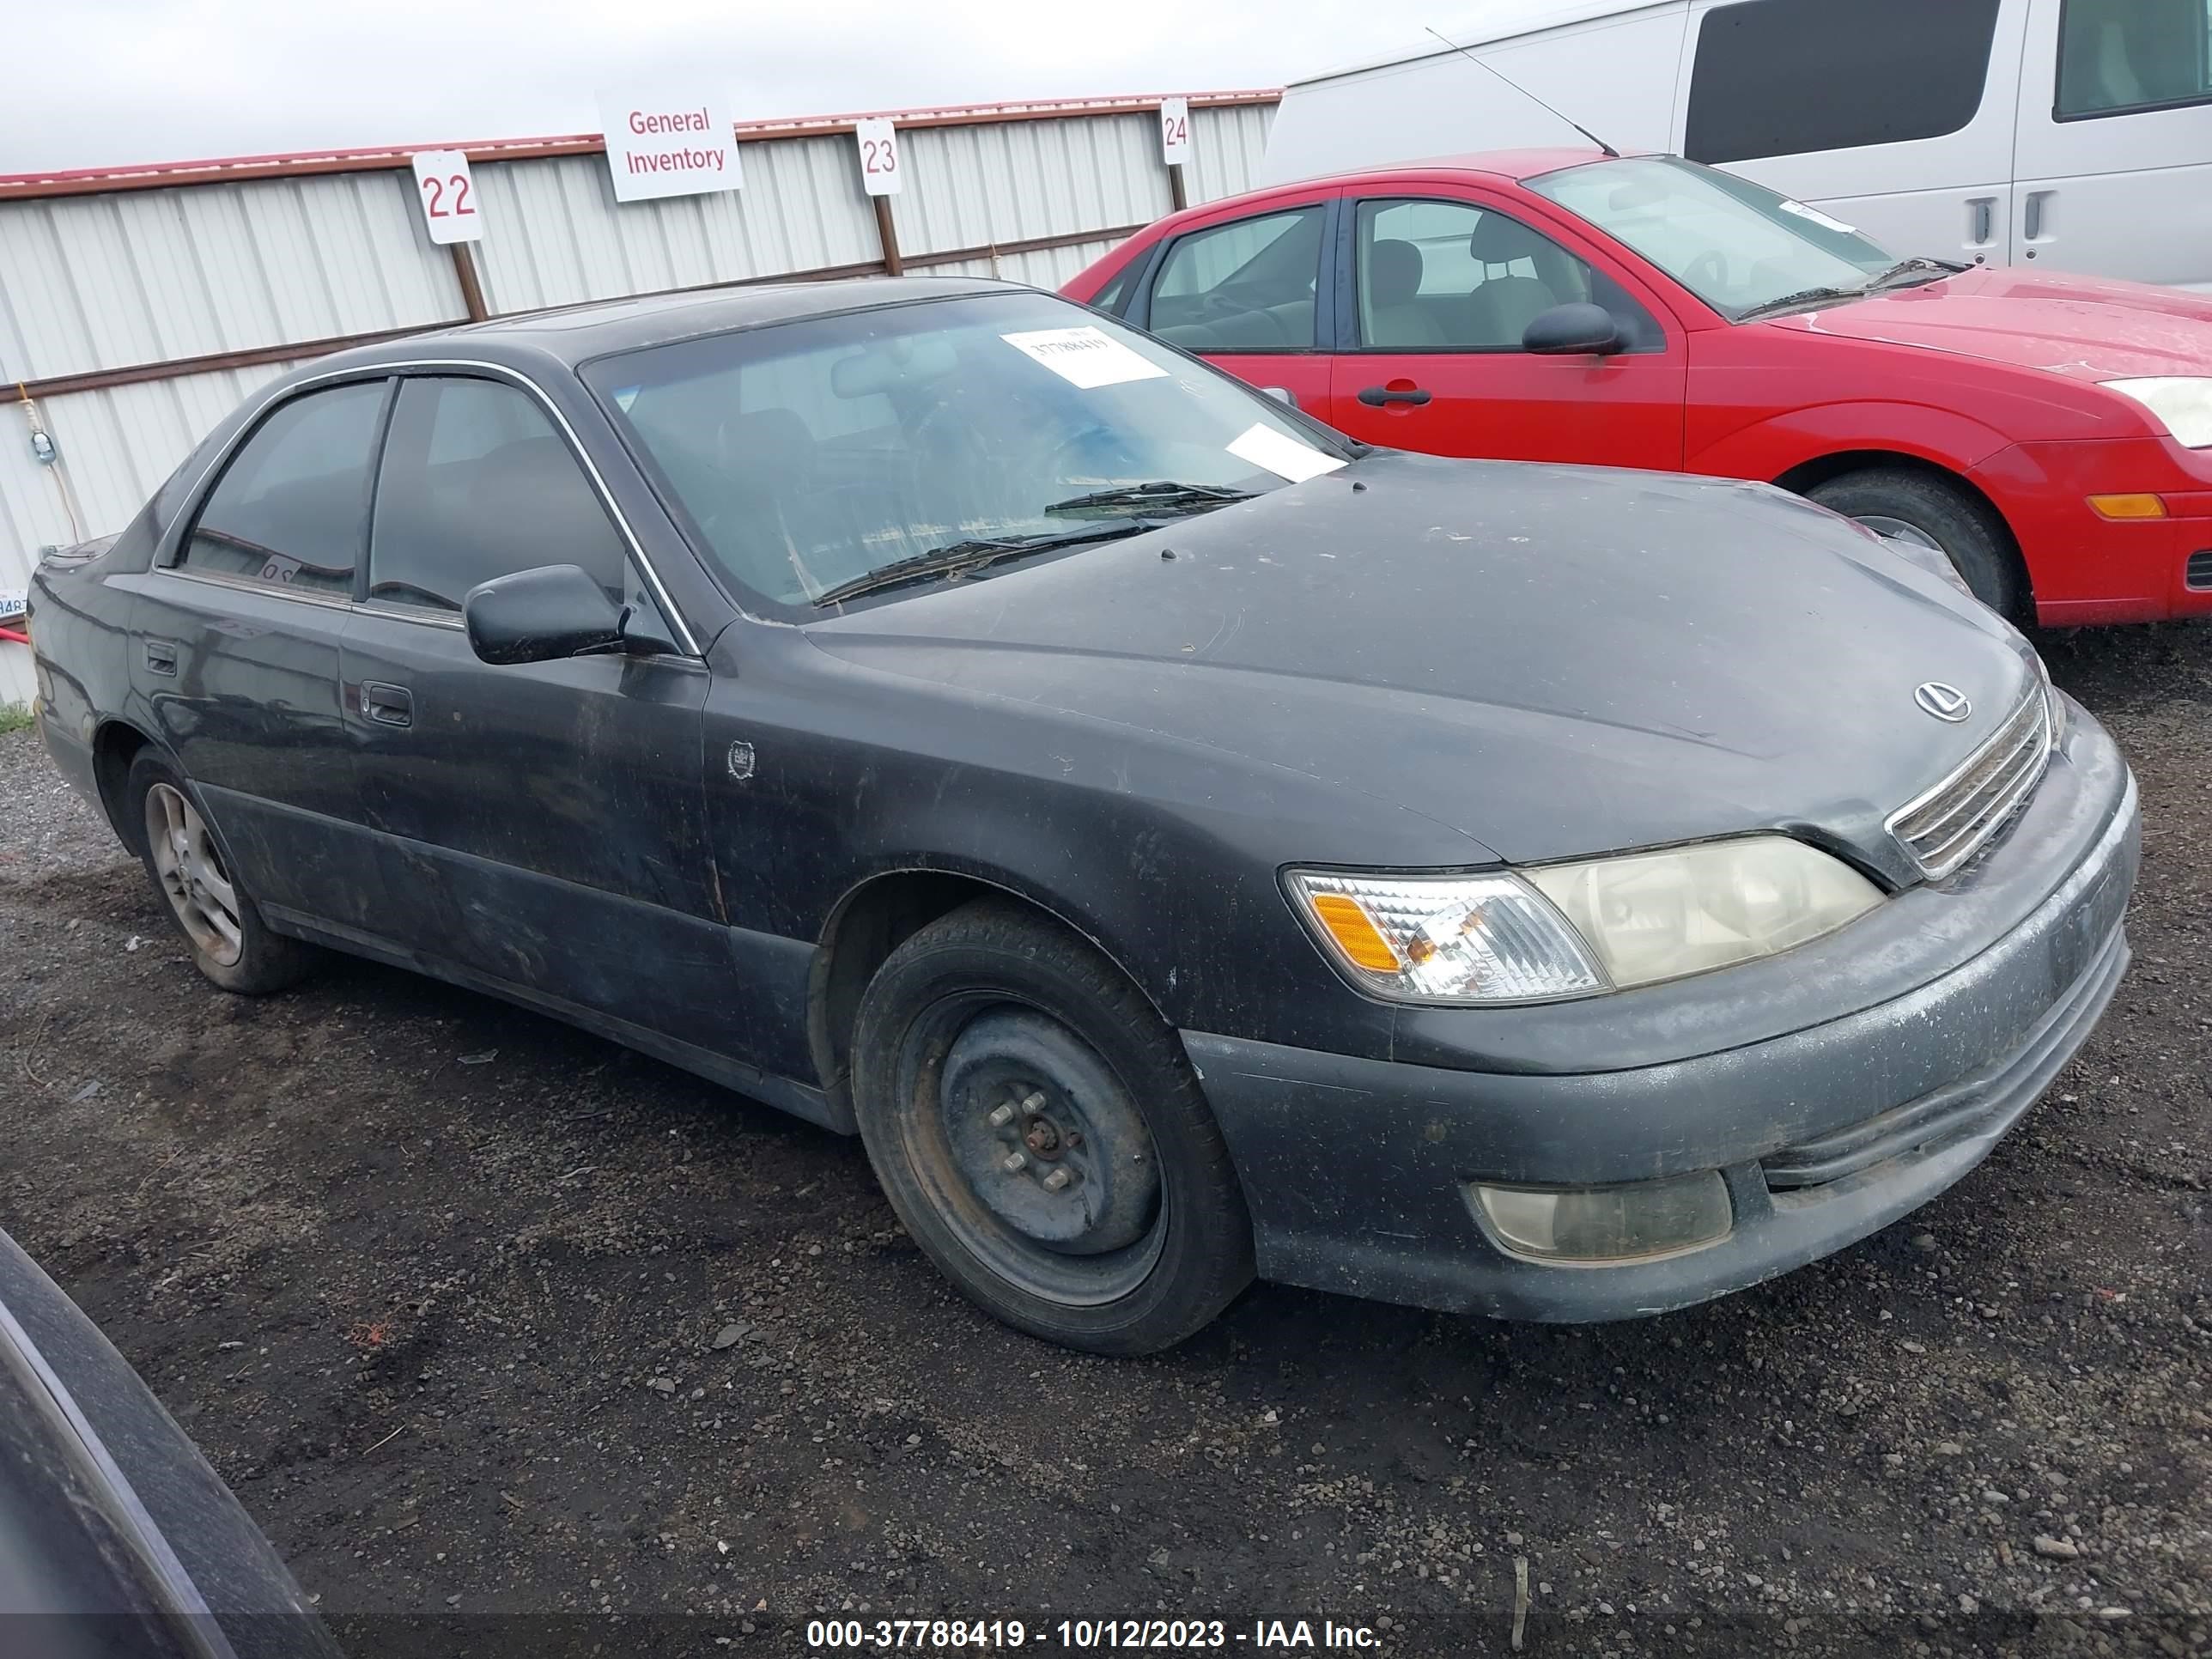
96 82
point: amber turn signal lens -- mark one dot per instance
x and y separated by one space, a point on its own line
1355 934
2128 507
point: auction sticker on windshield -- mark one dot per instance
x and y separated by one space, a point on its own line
1285 457
1084 357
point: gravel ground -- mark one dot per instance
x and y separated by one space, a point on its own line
515 1341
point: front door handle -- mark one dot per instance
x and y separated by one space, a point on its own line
2031 218
160 656
1376 396
1981 219
386 704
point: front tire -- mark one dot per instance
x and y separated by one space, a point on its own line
199 890
1916 507
1036 1126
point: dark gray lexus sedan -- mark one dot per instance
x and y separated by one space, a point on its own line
1182 842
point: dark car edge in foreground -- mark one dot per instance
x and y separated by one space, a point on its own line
116 1538
1543 891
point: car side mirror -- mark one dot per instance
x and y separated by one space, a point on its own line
1281 394
537 616
1571 330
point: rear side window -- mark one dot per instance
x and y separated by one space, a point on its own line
477 484
1245 286
1791 77
1115 295
2118 56
291 506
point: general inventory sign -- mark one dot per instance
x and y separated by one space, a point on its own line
448 196
662 144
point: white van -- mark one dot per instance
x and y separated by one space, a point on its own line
2071 133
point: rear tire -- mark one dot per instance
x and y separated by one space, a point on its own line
1039 1131
199 888
1917 506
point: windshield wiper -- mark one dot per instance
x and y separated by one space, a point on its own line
1919 267
1804 296
965 558
1163 495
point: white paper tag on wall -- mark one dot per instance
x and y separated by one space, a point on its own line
1084 357
1284 456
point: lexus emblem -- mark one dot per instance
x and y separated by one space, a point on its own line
1945 702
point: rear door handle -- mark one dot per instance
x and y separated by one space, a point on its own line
387 704
2032 219
1376 396
1981 219
160 656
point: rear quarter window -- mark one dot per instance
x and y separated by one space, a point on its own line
1793 77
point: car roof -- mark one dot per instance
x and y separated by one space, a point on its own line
575 334
1514 166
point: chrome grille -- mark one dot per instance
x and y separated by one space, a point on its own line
1946 826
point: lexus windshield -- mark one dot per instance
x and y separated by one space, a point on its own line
1738 247
939 437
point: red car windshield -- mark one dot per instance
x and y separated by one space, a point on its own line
1737 246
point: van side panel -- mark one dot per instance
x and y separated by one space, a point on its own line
2125 194
1614 74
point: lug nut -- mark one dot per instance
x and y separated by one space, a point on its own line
1002 1117
1035 1102
1015 1163
1055 1180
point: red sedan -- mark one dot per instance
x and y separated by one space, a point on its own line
2051 434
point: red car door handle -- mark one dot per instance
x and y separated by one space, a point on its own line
1376 396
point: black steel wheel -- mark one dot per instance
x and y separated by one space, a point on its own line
1039 1132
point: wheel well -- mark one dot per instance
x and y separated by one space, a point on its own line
1808 475
115 746
872 922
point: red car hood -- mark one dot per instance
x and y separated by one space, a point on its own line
2086 327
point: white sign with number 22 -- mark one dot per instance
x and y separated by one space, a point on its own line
449 196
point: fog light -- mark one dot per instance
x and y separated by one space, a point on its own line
1609 1223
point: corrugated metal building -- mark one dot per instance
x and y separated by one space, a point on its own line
136 307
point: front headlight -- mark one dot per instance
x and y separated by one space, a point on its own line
2183 402
1569 929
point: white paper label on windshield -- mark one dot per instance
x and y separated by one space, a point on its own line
1282 455
1820 218
1084 357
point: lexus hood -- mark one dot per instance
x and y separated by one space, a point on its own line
1552 661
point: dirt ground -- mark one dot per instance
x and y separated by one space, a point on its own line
437 1286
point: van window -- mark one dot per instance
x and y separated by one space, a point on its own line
1245 286
1789 77
2117 56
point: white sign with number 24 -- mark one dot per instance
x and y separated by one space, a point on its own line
1175 130
449 196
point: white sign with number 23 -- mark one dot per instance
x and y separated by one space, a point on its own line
449 196
879 156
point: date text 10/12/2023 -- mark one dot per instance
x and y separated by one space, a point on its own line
852 1635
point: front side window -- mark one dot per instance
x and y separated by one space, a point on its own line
1245 286
2118 56
1792 77
811 453
290 508
1453 276
477 484
1737 246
